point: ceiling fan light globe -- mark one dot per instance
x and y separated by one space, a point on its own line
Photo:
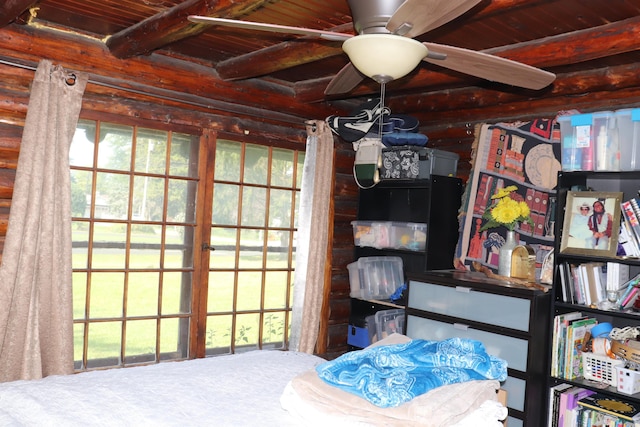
384 54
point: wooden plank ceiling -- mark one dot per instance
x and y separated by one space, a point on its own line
562 36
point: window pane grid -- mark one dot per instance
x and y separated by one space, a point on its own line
132 246
134 193
253 236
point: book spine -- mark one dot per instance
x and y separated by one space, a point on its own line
572 398
630 298
556 415
631 218
584 284
576 284
630 285
627 240
636 207
563 282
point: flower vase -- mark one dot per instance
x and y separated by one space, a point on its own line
504 255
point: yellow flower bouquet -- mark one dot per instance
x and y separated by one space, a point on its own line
507 209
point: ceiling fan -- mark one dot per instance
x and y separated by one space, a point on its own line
385 48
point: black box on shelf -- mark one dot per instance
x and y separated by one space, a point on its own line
362 330
413 162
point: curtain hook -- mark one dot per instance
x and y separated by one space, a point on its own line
312 124
70 79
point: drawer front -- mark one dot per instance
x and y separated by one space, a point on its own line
463 302
514 422
516 389
513 350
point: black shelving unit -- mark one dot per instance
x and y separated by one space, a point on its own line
628 183
434 202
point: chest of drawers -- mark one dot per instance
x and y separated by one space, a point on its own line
511 321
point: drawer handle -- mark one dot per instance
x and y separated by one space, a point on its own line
460 326
463 289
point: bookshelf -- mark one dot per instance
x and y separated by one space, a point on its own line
627 183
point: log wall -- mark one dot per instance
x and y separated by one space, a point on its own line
162 91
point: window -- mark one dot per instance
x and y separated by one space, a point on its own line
135 196
133 202
252 233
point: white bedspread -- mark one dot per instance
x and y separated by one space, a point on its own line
236 390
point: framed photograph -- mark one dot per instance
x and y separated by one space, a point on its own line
591 223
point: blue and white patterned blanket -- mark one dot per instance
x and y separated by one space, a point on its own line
388 376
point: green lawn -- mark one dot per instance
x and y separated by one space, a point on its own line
108 290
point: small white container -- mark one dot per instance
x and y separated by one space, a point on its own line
600 368
628 126
628 380
605 139
571 155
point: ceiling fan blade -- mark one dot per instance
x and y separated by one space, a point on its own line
489 67
347 79
274 28
425 15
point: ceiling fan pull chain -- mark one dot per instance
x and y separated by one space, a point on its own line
382 109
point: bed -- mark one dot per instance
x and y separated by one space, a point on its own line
257 388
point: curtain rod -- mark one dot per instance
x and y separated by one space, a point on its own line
222 105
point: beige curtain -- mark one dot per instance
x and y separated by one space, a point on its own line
36 318
312 240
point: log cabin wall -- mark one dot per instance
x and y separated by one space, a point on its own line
184 95
448 118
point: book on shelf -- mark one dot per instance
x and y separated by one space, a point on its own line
575 281
588 283
632 219
622 409
560 323
568 404
629 292
587 417
616 276
566 283
576 331
595 285
636 207
554 404
571 286
627 239
583 282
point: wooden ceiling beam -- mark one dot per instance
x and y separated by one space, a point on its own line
158 75
570 48
466 104
289 54
11 9
172 25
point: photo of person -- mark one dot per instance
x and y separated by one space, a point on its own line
591 222
600 223
579 232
